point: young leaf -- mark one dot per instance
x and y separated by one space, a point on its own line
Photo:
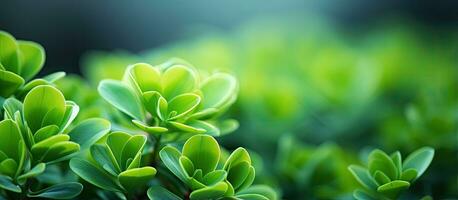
393 188
6 183
171 158
263 190
178 79
44 105
203 151
378 160
144 77
35 171
89 131
217 90
10 83
32 58
60 191
212 192
137 177
183 104
9 52
363 177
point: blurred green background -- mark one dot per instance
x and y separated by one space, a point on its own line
322 83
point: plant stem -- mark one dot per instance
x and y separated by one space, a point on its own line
156 149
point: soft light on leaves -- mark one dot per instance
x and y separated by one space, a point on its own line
89 131
93 174
203 151
133 178
159 193
59 191
122 97
7 184
419 160
32 58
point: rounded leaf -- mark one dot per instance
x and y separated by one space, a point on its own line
203 151
122 97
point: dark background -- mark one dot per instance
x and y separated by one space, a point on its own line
68 29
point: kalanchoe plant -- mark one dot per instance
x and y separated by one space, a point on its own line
170 98
115 164
35 135
387 176
197 167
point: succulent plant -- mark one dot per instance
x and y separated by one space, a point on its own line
171 99
196 166
35 134
386 177
115 164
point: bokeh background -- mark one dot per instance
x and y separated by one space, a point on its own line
322 82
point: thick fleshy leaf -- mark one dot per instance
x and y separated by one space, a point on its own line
237 156
186 165
251 197
10 139
214 177
10 83
381 178
160 193
171 158
150 129
44 105
228 126
134 178
60 191
116 142
93 174
29 86
177 80
11 106
6 183
186 128
60 150
203 151
209 128
151 102
217 90
51 78
212 192
35 171
122 97
45 132
104 157
363 177
409 175
262 190
363 195
145 77
182 105
32 58
131 149
378 160
8 167
397 160
237 173
248 180
393 188
89 131
419 160
71 111
40 148
9 56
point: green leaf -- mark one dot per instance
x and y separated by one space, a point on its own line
60 191
9 52
171 158
116 142
134 178
11 106
419 160
393 188
122 97
214 177
187 165
151 102
183 104
89 131
32 58
248 180
251 197
409 175
177 80
133 148
209 128
144 77
237 173
60 151
381 178
38 149
217 90
263 190
11 143
378 160
203 151
71 111
363 195
35 171
45 132
211 192
150 129
104 157
10 83
237 156
186 128
8 167
397 160
51 78
93 174
6 183
160 193
363 177
43 105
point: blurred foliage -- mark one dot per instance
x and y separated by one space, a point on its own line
394 87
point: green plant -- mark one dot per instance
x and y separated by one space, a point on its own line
170 99
115 164
197 166
387 176
35 135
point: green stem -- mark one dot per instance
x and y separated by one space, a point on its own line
156 149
